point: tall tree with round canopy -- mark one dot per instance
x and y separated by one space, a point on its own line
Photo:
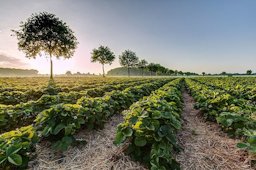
128 59
142 65
103 55
46 33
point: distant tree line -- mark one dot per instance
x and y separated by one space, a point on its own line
224 73
132 64
135 71
17 72
44 33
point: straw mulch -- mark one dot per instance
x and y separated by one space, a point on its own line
205 146
98 154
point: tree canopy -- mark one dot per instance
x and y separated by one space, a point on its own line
128 59
44 33
249 72
142 65
103 55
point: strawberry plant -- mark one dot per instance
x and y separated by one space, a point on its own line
150 126
16 147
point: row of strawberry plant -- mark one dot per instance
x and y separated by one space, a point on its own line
25 83
235 115
150 127
16 97
241 87
59 123
23 114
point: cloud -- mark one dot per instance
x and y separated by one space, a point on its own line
9 61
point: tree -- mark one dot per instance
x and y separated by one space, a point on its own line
68 73
152 67
180 73
161 69
249 72
103 55
142 65
223 73
45 33
170 72
128 59
203 73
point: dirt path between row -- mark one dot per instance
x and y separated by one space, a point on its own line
206 147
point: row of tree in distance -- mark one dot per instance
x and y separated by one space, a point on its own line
17 72
224 73
130 60
44 33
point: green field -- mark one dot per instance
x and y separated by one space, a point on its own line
33 111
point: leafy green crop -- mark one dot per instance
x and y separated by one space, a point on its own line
61 122
227 105
16 147
150 125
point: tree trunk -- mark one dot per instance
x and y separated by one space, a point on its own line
51 74
142 72
128 71
103 70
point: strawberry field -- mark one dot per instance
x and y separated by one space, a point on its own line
33 112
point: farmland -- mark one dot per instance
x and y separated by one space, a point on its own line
140 122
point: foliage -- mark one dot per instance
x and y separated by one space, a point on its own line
249 72
250 143
16 147
151 125
103 55
128 59
44 32
60 122
225 100
142 65
17 72
23 114
152 67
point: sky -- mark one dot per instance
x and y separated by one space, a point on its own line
189 35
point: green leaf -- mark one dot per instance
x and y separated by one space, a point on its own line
163 131
252 139
15 159
140 141
120 138
46 131
58 128
156 114
166 115
13 149
63 144
127 132
67 139
2 159
133 119
242 145
68 129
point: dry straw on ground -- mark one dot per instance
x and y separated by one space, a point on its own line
206 147
98 154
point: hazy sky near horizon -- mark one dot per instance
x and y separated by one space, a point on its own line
187 35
